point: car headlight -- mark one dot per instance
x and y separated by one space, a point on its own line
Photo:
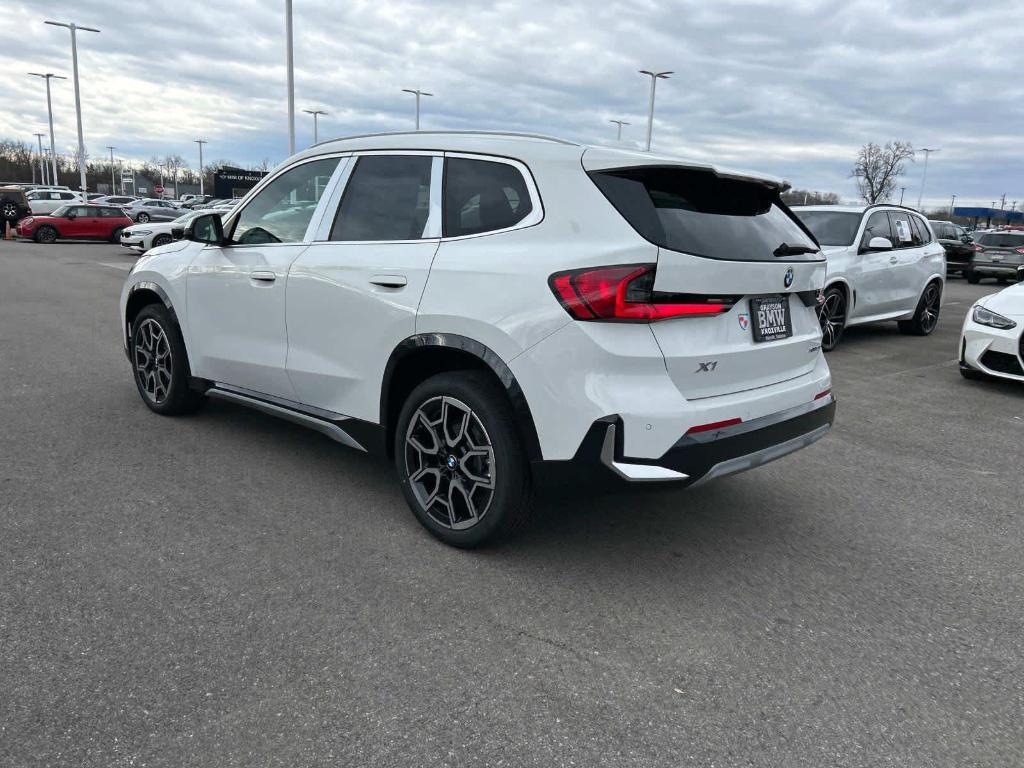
992 319
141 232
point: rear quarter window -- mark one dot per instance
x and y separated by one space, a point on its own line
483 196
701 213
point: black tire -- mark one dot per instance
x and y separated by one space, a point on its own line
45 234
142 218
163 388
832 317
487 456
1002 280
972 277
9 212
926 316
115 236
161 240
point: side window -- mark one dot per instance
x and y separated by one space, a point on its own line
78 210
387 198
92 212
903 235
917 231
482 196
922 225
877 226
281 211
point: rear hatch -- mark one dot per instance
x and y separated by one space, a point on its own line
729 239
1001 248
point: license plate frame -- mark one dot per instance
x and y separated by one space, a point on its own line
765 327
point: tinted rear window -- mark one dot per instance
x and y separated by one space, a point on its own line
831 227
701 213
1002 240
482 196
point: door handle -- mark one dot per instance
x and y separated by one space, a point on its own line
893 259
261 276
389 281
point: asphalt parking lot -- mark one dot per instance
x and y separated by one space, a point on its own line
232 590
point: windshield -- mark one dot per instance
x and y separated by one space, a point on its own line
698 212
1002 239
831 227
61 211
186 218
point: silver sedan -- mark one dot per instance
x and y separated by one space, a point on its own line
152 209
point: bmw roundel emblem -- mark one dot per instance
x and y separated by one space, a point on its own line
788 280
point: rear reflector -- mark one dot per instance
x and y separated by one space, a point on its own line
820 395
714 425
626 294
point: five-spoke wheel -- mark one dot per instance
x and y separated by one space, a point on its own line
153 361
832 317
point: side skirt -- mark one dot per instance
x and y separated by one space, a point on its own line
354 433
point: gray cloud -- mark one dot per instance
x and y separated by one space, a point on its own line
792 89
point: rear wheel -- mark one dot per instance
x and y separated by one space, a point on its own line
926 317
160 364
832 317
972 277
45 234
142 218
460 461
161 240
115 236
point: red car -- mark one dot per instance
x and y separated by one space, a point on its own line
102 222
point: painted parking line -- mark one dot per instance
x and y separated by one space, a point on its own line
123 267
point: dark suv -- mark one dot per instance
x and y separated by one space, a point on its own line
13 206
958 244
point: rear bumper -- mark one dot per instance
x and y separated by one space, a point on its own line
998 269
697 458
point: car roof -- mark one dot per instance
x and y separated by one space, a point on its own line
527 147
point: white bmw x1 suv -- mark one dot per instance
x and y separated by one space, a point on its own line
491 310
883 264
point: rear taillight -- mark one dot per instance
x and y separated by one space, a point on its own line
977 248
626 294
1018 250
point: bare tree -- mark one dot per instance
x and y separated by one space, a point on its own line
808 197
878 168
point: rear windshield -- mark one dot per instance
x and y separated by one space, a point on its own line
701 213
831 227
1002 239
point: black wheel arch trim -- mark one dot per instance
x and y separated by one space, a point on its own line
147 285
520 407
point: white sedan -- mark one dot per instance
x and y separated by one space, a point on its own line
992 339
152 234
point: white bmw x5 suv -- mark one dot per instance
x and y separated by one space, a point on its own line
491 310
883 264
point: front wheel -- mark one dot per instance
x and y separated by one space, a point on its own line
115 236
972 277
926 316
832 317
45 235
460 461
161 240
160 364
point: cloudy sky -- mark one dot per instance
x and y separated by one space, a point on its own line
792 88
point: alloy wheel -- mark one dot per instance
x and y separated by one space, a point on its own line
832 317
142 218
930 308
10 210
449 460
153 360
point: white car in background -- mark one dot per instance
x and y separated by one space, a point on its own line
992 339
484 309
153 234
884 263
46 201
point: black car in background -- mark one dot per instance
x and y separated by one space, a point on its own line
13 206
958 244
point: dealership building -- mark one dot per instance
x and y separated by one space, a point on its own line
988 217
234 182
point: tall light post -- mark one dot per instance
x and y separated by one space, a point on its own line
952 204
200 142
924 175
49 111
42 168
315 113
902 190
78 98
113 184
655 76
620 123
291 76
417 92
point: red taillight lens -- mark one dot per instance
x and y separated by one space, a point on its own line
1018 250
977 248
714 425
622 293
820 395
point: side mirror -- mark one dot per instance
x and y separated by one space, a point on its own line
205 229
879 244
177 232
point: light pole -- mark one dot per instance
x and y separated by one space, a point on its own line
291 77
49 111
42 168
113 184
924 175
902 190
315 113
655 76
952 204
620 123
417 92
78 98
200 142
